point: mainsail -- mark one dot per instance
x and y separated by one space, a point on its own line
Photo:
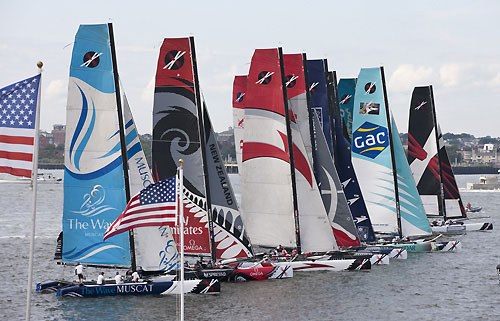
385 179
315 230
431 169
267 200
182 129
177 135
239 92
346 89
94 185
319 97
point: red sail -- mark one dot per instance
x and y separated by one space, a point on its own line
176 134
264 79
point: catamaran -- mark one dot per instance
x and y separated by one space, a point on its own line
104 164
391 197
432 170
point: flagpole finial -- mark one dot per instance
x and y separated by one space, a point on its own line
39 64
181 161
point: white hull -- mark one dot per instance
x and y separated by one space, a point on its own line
328 265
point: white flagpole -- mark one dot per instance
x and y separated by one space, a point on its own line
34 179
181 217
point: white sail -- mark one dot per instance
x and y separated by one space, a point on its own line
267 206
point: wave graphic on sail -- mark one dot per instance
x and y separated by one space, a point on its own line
83 164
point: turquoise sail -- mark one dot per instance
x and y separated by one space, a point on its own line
94 187
413 218
373 162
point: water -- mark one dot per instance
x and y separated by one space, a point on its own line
445 286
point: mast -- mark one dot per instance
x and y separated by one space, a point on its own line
123 142
331 81
393 159
441 201
311 115
203 152
290 149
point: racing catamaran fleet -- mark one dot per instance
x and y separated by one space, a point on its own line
325 182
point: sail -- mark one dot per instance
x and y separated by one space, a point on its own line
371 154
430 169
453 201
155 248
94 186
413 218
346 89
315 231
239 91
423 149
319 100
267 204
347 175
230 236
176 135
332 194
379 162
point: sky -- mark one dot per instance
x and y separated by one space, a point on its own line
452 45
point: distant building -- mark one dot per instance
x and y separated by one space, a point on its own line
485 154
59 134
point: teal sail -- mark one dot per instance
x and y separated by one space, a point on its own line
413 218
94 186
379 162
346 88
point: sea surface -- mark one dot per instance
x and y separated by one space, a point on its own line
428 286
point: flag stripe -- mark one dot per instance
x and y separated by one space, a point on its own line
17 148
136 226
22 140
16 156
24 165
132 219
15 171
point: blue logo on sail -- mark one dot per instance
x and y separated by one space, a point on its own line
370 140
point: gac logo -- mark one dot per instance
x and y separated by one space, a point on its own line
370 140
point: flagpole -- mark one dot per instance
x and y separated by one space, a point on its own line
34 179
181 218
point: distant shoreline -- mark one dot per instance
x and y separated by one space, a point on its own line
461 170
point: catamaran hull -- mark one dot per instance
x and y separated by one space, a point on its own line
141 288
262 273
460 228
329 265
448 246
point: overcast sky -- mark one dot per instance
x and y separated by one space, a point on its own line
453 45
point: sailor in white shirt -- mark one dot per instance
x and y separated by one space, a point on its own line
79 271
100 279
135 277
118 278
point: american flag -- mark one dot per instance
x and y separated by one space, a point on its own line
156 205
18 103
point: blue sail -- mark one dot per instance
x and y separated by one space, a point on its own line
319 98
346 89
349 181
94 187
